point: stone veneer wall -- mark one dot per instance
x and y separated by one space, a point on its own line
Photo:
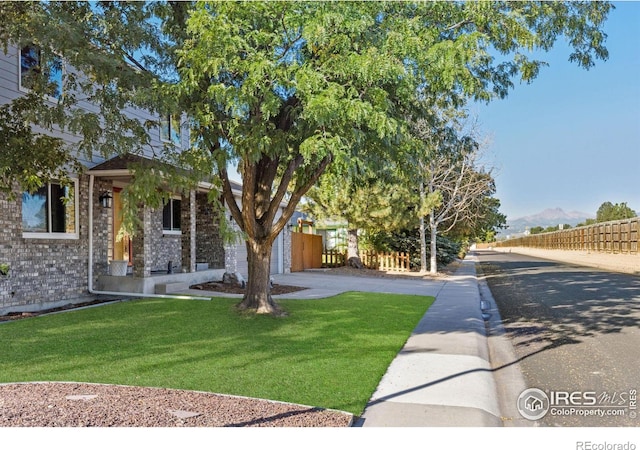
188 224
286 243
44 273
154 247
209 245
160 248
102 229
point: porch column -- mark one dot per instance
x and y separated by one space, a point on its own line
141 242
103 232
230 249
286 249
188 225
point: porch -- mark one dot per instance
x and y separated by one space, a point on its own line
157 283
177 244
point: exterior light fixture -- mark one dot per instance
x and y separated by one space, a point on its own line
105 200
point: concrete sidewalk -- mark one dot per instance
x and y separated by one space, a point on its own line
323 284
442 376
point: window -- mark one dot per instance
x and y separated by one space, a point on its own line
171 216
170 129
38 67
50 212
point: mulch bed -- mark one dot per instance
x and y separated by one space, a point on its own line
215 287
227 288
25 315
58 404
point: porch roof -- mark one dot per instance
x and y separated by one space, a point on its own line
121 168
124 162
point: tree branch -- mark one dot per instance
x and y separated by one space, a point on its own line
135 62
227 193
458 25
248 197
299 193
286 178
266 171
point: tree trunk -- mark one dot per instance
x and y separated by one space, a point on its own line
353 254
423 235
423 247
257 297
433 269
258 216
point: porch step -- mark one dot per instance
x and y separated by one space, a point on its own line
168 288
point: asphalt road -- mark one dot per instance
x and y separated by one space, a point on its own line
576 336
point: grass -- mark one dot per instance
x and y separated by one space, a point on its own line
329 353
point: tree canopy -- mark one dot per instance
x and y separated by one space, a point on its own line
284 89
609 211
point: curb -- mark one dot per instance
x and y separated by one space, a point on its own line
509 379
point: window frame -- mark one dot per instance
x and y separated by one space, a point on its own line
169 121
172 230
56 234
54 55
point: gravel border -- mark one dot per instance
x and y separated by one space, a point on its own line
68 404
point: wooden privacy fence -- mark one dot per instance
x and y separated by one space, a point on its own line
391 261
306 251
620 236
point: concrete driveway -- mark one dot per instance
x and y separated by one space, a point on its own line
322 284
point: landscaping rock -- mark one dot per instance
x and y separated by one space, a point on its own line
100 405
355 262
235 278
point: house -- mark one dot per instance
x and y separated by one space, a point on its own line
63 251
334 234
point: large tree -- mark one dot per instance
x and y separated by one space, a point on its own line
282 89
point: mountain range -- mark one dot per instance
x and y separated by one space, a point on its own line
547 218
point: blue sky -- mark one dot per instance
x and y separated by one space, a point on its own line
571 139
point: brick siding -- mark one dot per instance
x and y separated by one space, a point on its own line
43 272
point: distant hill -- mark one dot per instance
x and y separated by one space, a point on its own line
548 218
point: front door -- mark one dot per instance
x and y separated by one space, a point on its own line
122 248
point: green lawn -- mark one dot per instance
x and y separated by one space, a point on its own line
329 353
